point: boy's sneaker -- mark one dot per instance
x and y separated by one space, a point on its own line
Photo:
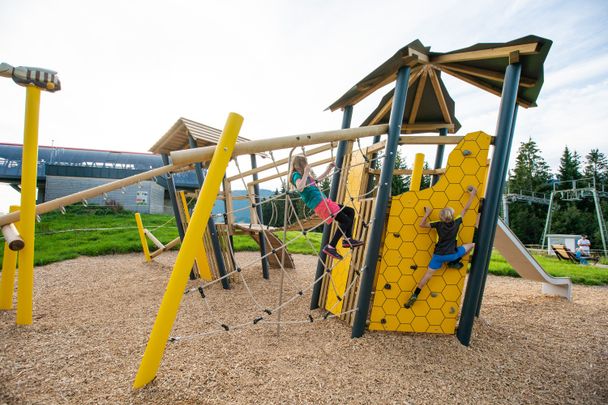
411 301
456 264
331 251
351 243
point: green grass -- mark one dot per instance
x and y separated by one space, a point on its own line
589 275
67 236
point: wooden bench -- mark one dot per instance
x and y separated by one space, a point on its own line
563 253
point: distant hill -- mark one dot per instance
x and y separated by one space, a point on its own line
239 216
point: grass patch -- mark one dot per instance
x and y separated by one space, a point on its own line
94 231
579 274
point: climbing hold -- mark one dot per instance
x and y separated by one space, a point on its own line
466 152
414 267
387 286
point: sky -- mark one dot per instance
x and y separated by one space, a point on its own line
130 69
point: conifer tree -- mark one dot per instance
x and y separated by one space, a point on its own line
569 165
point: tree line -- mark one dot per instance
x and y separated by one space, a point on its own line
532 174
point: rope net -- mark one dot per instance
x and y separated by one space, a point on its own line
267 315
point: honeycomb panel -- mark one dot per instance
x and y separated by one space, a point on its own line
407 248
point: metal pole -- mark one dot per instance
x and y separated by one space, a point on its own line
505 210
483 282
382 199
600 219
215 241
258 210
547 221
174 205
333 193
489 217
439 155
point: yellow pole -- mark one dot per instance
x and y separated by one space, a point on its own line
201 254
142 237
7 282
417 172
29 168
185 258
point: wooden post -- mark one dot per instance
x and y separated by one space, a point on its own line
7 280
12 237
142 236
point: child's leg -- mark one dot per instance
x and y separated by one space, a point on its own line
345 223
434 265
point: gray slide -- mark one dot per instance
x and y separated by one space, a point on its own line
526 266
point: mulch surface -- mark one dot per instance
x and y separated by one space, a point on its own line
93 315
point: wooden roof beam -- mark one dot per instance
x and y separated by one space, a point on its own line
426 126
440 97
418 96
488 74
386 107
494 90
491 53
432 140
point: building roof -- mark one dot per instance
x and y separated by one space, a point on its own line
176 138
482 65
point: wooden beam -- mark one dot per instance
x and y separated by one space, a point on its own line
386 107
432 140
491 53
408 172
440 97
488 74
183 157
12 238
426 126
280 162
418 96
284 173
92 192
489 88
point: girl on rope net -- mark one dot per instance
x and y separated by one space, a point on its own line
304 180
446 249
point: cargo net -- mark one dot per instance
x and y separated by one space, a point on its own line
271 316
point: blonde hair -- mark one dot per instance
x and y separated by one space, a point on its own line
447 214
298 164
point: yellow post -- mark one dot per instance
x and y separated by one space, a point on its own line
185 258
201 254
29 168
142 237
7 282
417 172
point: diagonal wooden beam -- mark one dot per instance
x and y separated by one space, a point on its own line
489 88
418 96
416 72
440 97
488 74
491 53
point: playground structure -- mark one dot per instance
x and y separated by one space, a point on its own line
366 289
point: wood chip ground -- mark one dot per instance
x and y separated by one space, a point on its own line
92 318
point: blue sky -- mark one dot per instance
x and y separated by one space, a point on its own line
129 69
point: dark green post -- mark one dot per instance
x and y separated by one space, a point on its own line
215 241
258 210
333 193
382 199
174 206
439 155
485 275
489 217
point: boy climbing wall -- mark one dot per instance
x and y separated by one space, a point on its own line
446 249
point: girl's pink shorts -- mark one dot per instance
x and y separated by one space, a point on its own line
325 209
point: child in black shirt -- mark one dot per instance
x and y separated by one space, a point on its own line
446 249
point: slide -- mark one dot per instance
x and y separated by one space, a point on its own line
525 265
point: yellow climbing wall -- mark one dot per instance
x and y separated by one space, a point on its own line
407 247
341 274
